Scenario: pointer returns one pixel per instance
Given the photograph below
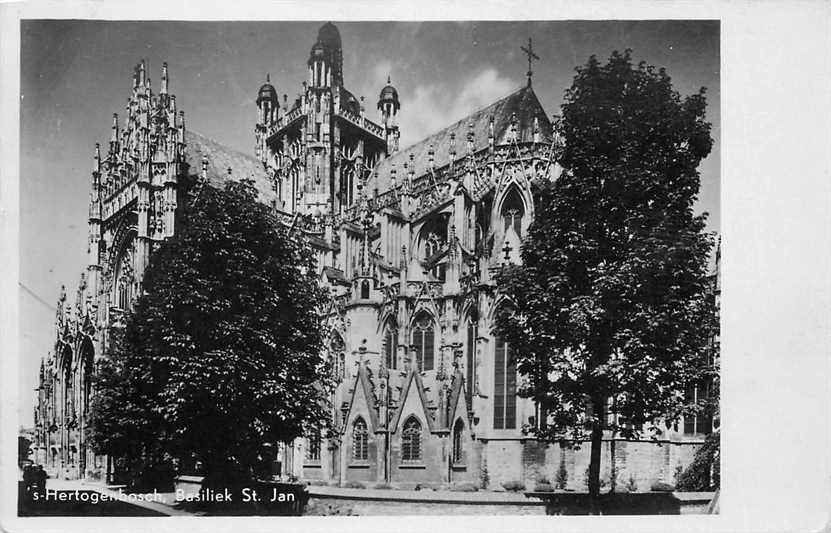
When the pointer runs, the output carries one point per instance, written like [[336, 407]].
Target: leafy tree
[[612, 305], [222, 352]]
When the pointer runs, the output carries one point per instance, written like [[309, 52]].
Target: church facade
[[407, 240]]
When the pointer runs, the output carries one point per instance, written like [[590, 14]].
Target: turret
[[268, 107], [163, 88], [388, 105], [140, 75], [114, 135], [267, 103], [326, 58]]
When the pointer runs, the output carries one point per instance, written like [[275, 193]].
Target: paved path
[[426, 496]]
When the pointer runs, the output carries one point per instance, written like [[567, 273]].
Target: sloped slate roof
[[523, 102], [220, 159]]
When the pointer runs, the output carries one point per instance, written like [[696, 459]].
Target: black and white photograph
[[340, 267]]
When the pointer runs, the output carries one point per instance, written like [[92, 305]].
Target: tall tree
[[612, 303], [223, 351]]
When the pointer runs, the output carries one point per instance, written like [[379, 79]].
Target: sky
[[75, 74]]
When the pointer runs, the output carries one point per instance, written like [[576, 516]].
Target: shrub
[[631, 484], [697, 476], [514, 486], [317, 482], [464, 487], [543, 487], [562, 476], [354, 485], [660, 486], [382, 486], [484, 478]]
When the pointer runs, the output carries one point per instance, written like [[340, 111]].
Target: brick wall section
[[525, 460], [504, 461], [534, 462]]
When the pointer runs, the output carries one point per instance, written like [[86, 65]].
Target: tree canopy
[[612, 305], [223, 350]]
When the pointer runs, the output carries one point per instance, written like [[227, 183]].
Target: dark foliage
[[222, 353], [704, 474], [612, 305]]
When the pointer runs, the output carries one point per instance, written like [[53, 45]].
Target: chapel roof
[[220, 159], [523, 102]]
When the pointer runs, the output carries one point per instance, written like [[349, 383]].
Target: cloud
[[433, 106]]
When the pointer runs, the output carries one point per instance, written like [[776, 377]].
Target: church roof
[[523, 102], [220, 159]]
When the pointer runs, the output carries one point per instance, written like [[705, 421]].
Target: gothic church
[[407, 240]]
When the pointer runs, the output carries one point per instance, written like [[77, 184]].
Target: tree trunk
[[594, 457]]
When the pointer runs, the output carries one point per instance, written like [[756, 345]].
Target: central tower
[[320, 149]]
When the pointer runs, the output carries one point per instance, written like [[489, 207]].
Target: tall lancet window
[[336, 351], [512, 211], [313, 447], [68, 389], [470, 357], [424, 341], [87, 358], [391, 345], [458, 451], [123, 286], [504, 395], [360, 438], [433, 239]]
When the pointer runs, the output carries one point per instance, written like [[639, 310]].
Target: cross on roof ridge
[[531, 56]]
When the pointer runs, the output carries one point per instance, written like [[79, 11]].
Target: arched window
[[504, 395], [313, 447], [470, 356], [391, 345], [360, 438], [458, 453], [411, 440], [512, 211], [424, 341], [336, 350], [434, 238], [123, 286], [87, 358], [68, 389]]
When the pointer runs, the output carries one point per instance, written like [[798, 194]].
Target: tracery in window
[[433, 240], [424, 341], [504, 396], [313, 447], [411, 440], [458, 452], [470, 356], [512, 211], [360, 440], [391, 345]]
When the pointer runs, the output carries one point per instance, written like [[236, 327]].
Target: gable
[[413, 401], [457, 405], [362, 401]]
